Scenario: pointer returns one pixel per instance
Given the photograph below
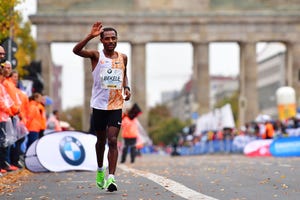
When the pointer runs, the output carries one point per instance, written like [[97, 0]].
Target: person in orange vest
[[12, 90], [43, 117], [14, 78], [129, 133], [9, 85], [269, 130], [15, 150], [7, 109], [34, 118]]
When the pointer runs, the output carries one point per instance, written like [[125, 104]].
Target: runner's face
[[109, 40]]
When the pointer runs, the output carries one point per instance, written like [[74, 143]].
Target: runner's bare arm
[[95, 31], [125, 83], [92, 54], [78, 48]]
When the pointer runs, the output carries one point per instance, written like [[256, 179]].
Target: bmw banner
[[65, 150], [31, 160]]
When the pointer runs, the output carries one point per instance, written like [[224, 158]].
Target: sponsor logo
[[72, 150]]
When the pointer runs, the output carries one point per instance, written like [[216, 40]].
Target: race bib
[[111, 78]]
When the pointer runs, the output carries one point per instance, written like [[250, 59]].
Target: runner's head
[[109, 38], [105, 29]]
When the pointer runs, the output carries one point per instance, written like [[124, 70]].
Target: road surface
[[162, 177]]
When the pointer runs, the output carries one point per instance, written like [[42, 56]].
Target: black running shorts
[[105, 118]]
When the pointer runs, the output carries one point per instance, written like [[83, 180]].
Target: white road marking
[[169, 184], [266, 163], [285, 165]]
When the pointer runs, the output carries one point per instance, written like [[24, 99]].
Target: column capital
[[247, 42], [194, 43], [137, 42], [44, 42]]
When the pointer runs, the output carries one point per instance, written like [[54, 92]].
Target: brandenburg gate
[[198, 22]]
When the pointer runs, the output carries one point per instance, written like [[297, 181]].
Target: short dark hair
[[108, 29]]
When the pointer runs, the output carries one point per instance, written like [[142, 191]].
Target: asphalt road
[[160, 177]]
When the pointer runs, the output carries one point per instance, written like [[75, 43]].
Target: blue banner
[[286, 146]]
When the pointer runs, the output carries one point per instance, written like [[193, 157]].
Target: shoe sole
[[101, 187], [112, 187]]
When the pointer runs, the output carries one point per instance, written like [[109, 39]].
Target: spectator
[[42, 110], [269, 130], [14, 94], [15, 151], [7, 109], [34, 118], [53, 121], [129, 134]]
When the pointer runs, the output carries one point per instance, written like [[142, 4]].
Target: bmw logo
[[72, 150]]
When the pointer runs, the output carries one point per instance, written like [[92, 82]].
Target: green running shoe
[[100, 179], [111, 185]]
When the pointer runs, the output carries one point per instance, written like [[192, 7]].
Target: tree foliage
[[73, 116], [11, 23], [162, 127], [8, 18], [26, 47], [157, 114]]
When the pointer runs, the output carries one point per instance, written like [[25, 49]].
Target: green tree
[[73, 116], [26, 47], [166, 131], [11, 23], [9, 17], [162, 127], [158, 113]]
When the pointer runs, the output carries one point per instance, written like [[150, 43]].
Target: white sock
[[101, 169], [111, 176]]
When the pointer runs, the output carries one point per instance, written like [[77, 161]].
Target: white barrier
[[63, 151]]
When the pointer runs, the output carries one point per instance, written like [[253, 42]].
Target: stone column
[[293, 53], [248, 101], [288, 80], [138, 79], [87, 88], [201, 78], [44, 55]]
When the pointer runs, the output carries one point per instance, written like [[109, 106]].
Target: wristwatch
[[127, 87]]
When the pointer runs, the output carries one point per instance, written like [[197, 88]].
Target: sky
[[162, 74]]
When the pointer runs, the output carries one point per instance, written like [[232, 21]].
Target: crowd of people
[[230, 140], [23, 118]]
